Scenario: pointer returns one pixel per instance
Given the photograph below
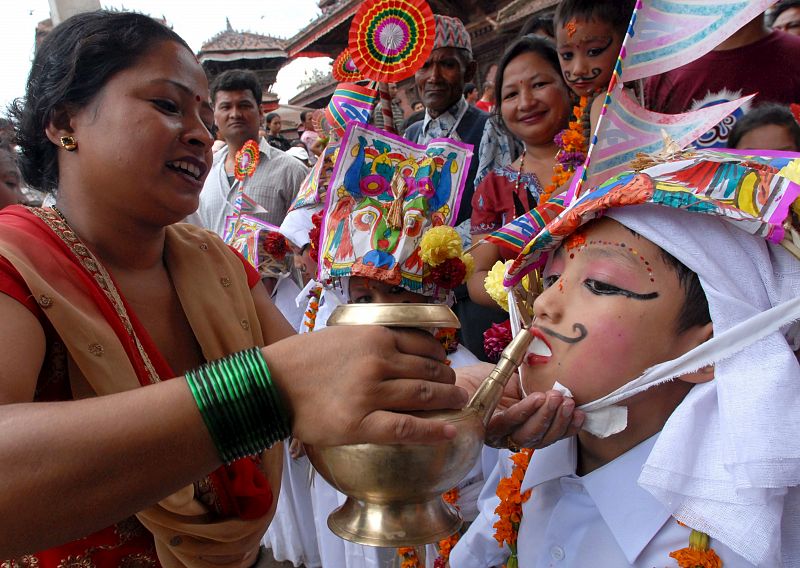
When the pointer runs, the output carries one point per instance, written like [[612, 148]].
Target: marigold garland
[[510, 508], [698, 554], [572, 143], [310, 315], [446, 545]]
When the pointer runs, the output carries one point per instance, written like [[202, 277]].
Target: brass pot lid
[[394, 315]]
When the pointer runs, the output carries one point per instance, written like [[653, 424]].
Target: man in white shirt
[[236, 98]]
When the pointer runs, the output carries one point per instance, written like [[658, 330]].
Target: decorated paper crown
[[754, 192], [260, 243], [388, 211]]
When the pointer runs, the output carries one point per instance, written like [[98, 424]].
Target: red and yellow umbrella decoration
[[390, 40], [344, 68]]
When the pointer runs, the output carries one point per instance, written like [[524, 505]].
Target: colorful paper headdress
[[385, 196], [350, 102], [754, 192], [451, 32], [260, 243]]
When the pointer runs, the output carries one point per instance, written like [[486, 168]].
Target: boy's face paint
[[368, 291], [588, 52], [605, 315]]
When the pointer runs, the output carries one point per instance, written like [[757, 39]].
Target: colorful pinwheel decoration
[[389, 41], [344, 68], [246, 160]]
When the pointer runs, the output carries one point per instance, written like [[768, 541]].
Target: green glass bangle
[[239, 404], [222, 417], [276, 404], [270, 411], [202, 406], [240, 444], [272, 391], [249, 400]]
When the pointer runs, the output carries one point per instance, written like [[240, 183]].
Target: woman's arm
[[485, 255], [78, 466]]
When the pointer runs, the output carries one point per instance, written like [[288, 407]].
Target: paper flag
[[672, 33], [627, 129]]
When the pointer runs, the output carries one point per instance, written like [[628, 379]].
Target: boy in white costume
[[386, 238], [666, 315]]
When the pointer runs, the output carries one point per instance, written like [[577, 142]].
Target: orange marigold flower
[[692, 558]]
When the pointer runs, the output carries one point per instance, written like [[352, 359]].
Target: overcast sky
[[195, 20]]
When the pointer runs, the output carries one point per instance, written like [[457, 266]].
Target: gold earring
[[68, 143]]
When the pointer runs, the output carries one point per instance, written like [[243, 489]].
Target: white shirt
[[603, 519], [273, 186]]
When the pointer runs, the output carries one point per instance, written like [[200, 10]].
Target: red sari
[[44, 266]]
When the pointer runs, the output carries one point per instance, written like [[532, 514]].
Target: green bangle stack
[[240, 404]]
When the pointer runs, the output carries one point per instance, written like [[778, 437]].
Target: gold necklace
[[519, 171]]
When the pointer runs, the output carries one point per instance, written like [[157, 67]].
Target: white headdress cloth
[[727, 462]]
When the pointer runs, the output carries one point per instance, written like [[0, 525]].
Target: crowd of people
[[122, 196]]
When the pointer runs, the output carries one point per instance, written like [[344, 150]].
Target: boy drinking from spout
[[664, 315]]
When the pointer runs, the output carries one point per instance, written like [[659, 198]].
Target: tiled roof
[[231, 40]]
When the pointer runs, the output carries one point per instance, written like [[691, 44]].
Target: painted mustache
[[582, 78], [578, 327]]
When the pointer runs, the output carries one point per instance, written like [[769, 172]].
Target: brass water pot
[[394, 492]]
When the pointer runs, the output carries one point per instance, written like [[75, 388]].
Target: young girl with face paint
[[589, 35], [683, 361]]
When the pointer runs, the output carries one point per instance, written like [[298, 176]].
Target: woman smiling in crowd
[[534, 105]]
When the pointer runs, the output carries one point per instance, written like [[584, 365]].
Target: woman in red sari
[[104, 294]]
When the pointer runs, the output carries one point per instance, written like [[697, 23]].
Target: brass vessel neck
[[487, 396]]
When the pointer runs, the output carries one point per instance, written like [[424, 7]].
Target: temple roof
[[519, 9], [245, 45], [311, 41]]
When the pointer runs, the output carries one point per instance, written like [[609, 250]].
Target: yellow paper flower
[[439, 244], [791, 171], [469, 264], [494, 284]]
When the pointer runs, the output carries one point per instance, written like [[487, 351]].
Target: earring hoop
[[68, 143]]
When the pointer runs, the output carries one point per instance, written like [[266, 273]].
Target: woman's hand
[[348, 385], [535, 421]]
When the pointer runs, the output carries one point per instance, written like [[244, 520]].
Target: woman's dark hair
[[539, 45], [236, 80], [270, 117], [779, 8], [538, 25], [616, 13], [762, 115], [71, 66]]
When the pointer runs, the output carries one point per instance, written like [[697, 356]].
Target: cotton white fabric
[[603, 519], [297, 224], [728, 460]]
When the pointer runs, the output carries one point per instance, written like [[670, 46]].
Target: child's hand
[[538, 420], [535, 421]]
